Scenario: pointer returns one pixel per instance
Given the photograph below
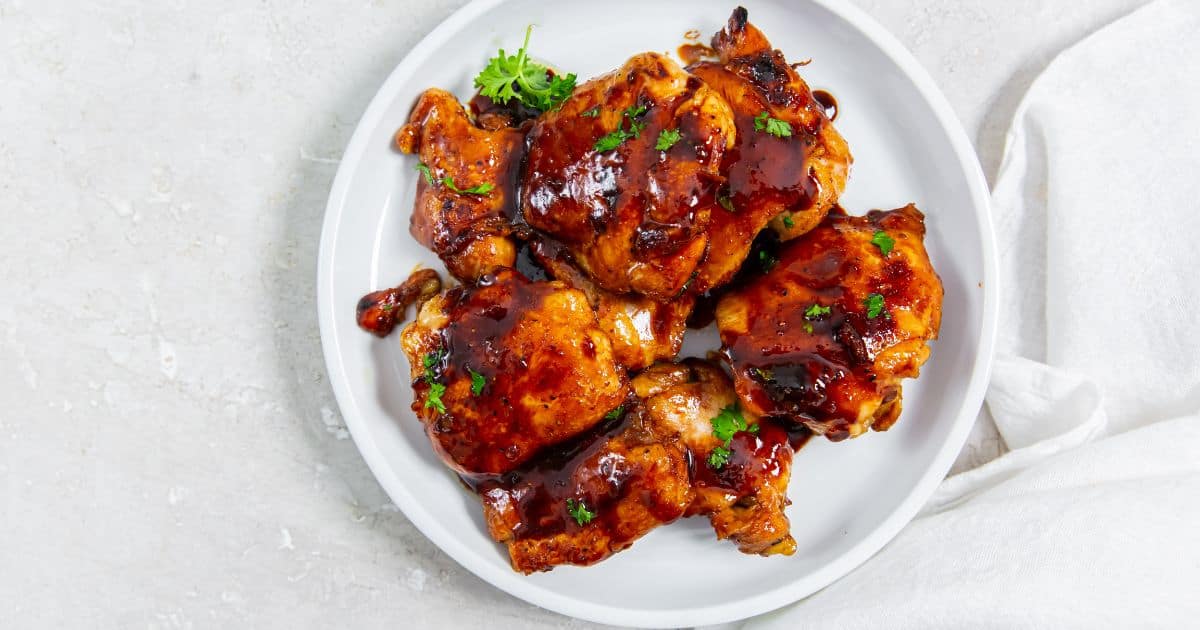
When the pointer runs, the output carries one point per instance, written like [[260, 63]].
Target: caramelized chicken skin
[[633, 217], [585, 500], [788, 173], [745, 497], [825, 338], [507, 367], [469, 232], [642, 330]]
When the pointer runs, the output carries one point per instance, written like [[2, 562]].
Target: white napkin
[[1092, 519]]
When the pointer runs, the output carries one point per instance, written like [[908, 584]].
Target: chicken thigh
[[586, 500], [740, 465], [788, 165], [507, 367], [826, 336], [624, 175], [465, 199]]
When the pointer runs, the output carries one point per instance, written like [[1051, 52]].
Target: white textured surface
[[170, 455]]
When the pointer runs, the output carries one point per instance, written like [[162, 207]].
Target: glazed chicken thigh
[[825, 338], [506, 367], [788, 165], [588, 499], [464, 205], [742, 489], [624, 175]]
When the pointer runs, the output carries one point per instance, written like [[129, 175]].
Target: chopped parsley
[[726, 202], [884, 242], [727, 423], [615, 413], [478, 382], [434, 399], [425, 171], [816, 311], [766, 260], [613, 139], [516, 76], [667, 139], [874, 304], [481, 189], [808, 328], [591, 113], [579, 512], [773, 126], [718, 457], [788, 222]]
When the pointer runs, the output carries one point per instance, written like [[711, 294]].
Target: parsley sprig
[[875, 306], [448, 182], [580, 512], [478, 382], [725, 425], [774, 126], [667, 139], [434, 399], [883, 241], [516, 76], [613, 139]]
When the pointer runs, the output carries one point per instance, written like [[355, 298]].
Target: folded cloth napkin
[[1092, 517]]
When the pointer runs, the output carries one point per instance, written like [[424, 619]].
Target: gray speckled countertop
[[170, 453]]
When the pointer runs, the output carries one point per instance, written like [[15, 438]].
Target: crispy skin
[[745, 499], [548, 370], [798, 176], [623, 473], [844, 376], [642, 330], [470, 233], [633, 218]]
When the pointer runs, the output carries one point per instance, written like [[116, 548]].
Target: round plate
[[848, 499]]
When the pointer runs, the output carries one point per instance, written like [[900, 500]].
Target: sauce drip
[[828, 103]]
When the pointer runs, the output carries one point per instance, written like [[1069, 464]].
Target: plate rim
[[723, 612]]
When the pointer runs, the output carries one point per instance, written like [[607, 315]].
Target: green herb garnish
[[884, 242], [667, 139], [579, 512], [613, 139], [788, 222], [478, 382], [591, 113], [615, 413], [718, 457], [433, 400], [816, 311], [773, 126], [516, 76], [425, 171], [766, 260], [481, 189], [726, 203], [874, 304]]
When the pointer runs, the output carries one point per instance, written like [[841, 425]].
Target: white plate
[[849, 499]]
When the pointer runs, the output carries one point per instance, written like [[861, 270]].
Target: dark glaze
[[539, 491], [489, 332], [634, 198], [378, 312], [813, 376], [755, 460], [828, 103], [489, 114], [763, 168]]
